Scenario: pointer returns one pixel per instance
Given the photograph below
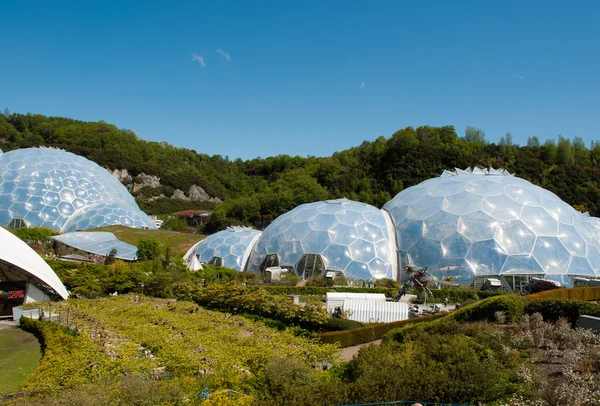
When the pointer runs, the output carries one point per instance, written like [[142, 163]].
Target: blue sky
[[305, 77]]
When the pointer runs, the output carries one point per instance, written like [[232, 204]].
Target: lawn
[[179, 242], [19, 355]]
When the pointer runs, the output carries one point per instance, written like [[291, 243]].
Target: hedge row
[[361, 335], [513, 307], [321, 290], [462, 295], [585, 293], [235, 298], [453, 295]]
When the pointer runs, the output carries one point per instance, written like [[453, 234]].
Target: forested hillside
[[256, 191]]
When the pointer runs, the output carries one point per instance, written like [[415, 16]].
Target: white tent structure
[[19, 263], [193, 264]]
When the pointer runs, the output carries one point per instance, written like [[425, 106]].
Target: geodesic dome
[[466, 224], [45, 187], [349, 237], [229, 248], [103, 215]]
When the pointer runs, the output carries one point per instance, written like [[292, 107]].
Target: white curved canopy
[[20, 258], [98, 242]]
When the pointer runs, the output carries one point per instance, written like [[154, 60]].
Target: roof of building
[[192, 213], [19, 258]]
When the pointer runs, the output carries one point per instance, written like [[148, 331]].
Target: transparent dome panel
[[56, 185], [231, 245], [350, 237]]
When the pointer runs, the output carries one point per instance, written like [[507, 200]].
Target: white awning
[[19, 255]]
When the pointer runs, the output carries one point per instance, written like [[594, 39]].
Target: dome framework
[[230, 247], [46, 187], [467, 225], [343, 236]]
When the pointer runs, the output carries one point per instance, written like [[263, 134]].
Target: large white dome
[[45, 187], [350, 237], [230, 247], [487, 222]]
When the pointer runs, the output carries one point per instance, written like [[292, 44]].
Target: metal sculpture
[[417, 280]]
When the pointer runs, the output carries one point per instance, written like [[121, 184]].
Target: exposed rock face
[[178, 194], [147, 180], [197, 194], [123, 176]]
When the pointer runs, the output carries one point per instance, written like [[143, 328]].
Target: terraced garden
[[162, 339]]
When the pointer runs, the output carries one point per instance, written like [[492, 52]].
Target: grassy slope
[[179, 242], [19, 355]]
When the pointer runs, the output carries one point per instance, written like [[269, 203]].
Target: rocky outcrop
[[135, 184], [197, 194], [143, 180], [123, 176], [178, 194]]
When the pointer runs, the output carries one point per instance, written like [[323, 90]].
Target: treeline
[[258, 190]]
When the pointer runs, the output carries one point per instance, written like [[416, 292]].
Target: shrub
[[387, 283], [542, 285], [554, 309], [443, 362], [148, 249], [361, 335], [33, 234], [235, 298], [511, 305], [335, 324], [585, 293], [321, 290]]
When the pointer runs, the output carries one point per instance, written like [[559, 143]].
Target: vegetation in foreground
[[177, 350], [104, 340]]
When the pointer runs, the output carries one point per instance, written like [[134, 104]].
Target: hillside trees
[[258, 190]]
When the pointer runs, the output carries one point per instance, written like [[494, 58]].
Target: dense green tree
[[148, 249], [256, 191], [475, 135]]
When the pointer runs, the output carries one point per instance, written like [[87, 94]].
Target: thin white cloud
[[199, 59], [362, 85], [224, 54], [519, 76]]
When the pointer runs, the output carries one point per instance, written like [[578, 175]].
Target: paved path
[[8, 323], [349, 352]]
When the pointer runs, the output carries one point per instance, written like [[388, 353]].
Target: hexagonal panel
[[486, 257], [477, 226], [539, 221], [440, 226], [455, 246], [426, 253], [515, 238], [462, 203], [522, 195], [552, 256], [501, 208], [572, 240]]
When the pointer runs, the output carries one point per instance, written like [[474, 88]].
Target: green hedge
[[321, 290], [462, 295], [554, 309], [513, 307], [585, 293], [453, 295], [235, 298], [361, 335]]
